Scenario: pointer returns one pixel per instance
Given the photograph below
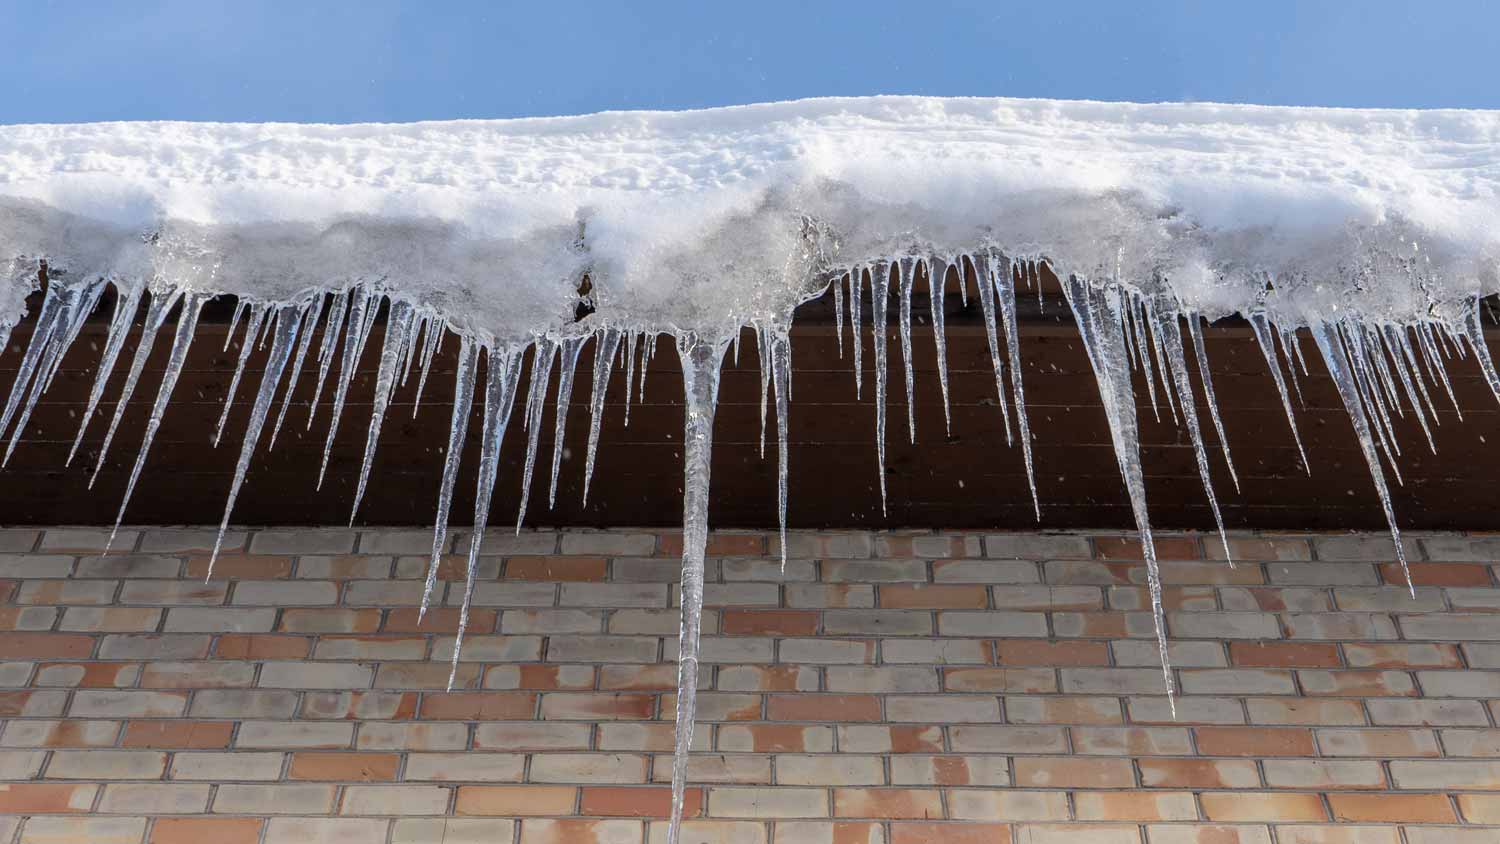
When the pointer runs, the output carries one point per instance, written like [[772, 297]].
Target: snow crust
[[689, 219]]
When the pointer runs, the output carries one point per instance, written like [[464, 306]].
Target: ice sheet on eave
[[725, 216]]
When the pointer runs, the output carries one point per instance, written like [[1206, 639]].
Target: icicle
[[1473, 330], [838, 319], [937, 275], [1143, 348], [1267, 342], [310, 315], [880, 283], [119, 328], [763, 349], [781, 369], [187, 326], [76, 303], [629, 351], [361, 306], [234, 320], [156, 315], [571, 347], [288, 322], [1169, 330], [606, 342], [648, 350], [701, 359], [499, 396], [458, 429], [982, 273], [536, 402], [907, 268], [1095, 311], [335, 322], [963, 282], [856, 328], [1435, 362], [1160, 356], [1334, 356], [435, 331], [41, 337], [1395, 334], [1201, 354], [397, 324], [258, 312], [415, 325], [1005, 292], [1291, 349], [1386, 345], [1386, 436]]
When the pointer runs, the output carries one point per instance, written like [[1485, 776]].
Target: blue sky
[[388, 60]]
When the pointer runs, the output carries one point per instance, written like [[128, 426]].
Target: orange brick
[[1129, 548], [1402, 655], [1391, 807], [823, 708], [1284, 654], [933, 596], [544, 677], [1260, 806], [582, 706], [948, 833], [515, 800], [344, 767], [190, 735], [915, 739], [662, 676], [1199, 773], [1438, 574], [252, 646], [776, 738], [478, 706], [895, 803], [199, 830], [1054, 653], [241, 567], [438, 620], [32, 798], [770, 622], [45, 646], [770, 678], [1254, 741], [719, 545], [554, 567], [330, 620], [649, 802], [1060, 772]]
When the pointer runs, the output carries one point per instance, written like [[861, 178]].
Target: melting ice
[[1373, 234]]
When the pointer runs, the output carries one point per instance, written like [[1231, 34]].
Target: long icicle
[[310, 315], [119, 328], [1168, 328], [499, 396], [1005, 292], [1339, 370], [781, 373], [187, 326], [361, 303], [258, 312], [856, 328], [907, 268], [606, 342], [337, 312], [982, 273], [701, 359], [1096, 311], [458, 429], [1265, 338], [937, 279], [880, 284], [397, 337], [77, 303], [571, 347], [156, 316], [543, 356], [288, 322], [1200, 353]]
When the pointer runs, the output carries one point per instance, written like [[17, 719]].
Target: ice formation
[[1374, 233]]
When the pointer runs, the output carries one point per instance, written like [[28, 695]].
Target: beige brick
[[106, 765], [303, 541], [588, 768], [325, 830], [841, 769], [221, 767], [90, 703], [54, 830], [154, 799], [219, 620], [732, 802], [294, 734], [453, 831], [465, 767], [300, 799], [319, 675], [394, 800]]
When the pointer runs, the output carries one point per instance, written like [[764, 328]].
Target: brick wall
[[892, 688]]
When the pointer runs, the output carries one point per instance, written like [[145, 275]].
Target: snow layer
[[691, 218]]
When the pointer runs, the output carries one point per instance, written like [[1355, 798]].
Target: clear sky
[[397, 60]]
